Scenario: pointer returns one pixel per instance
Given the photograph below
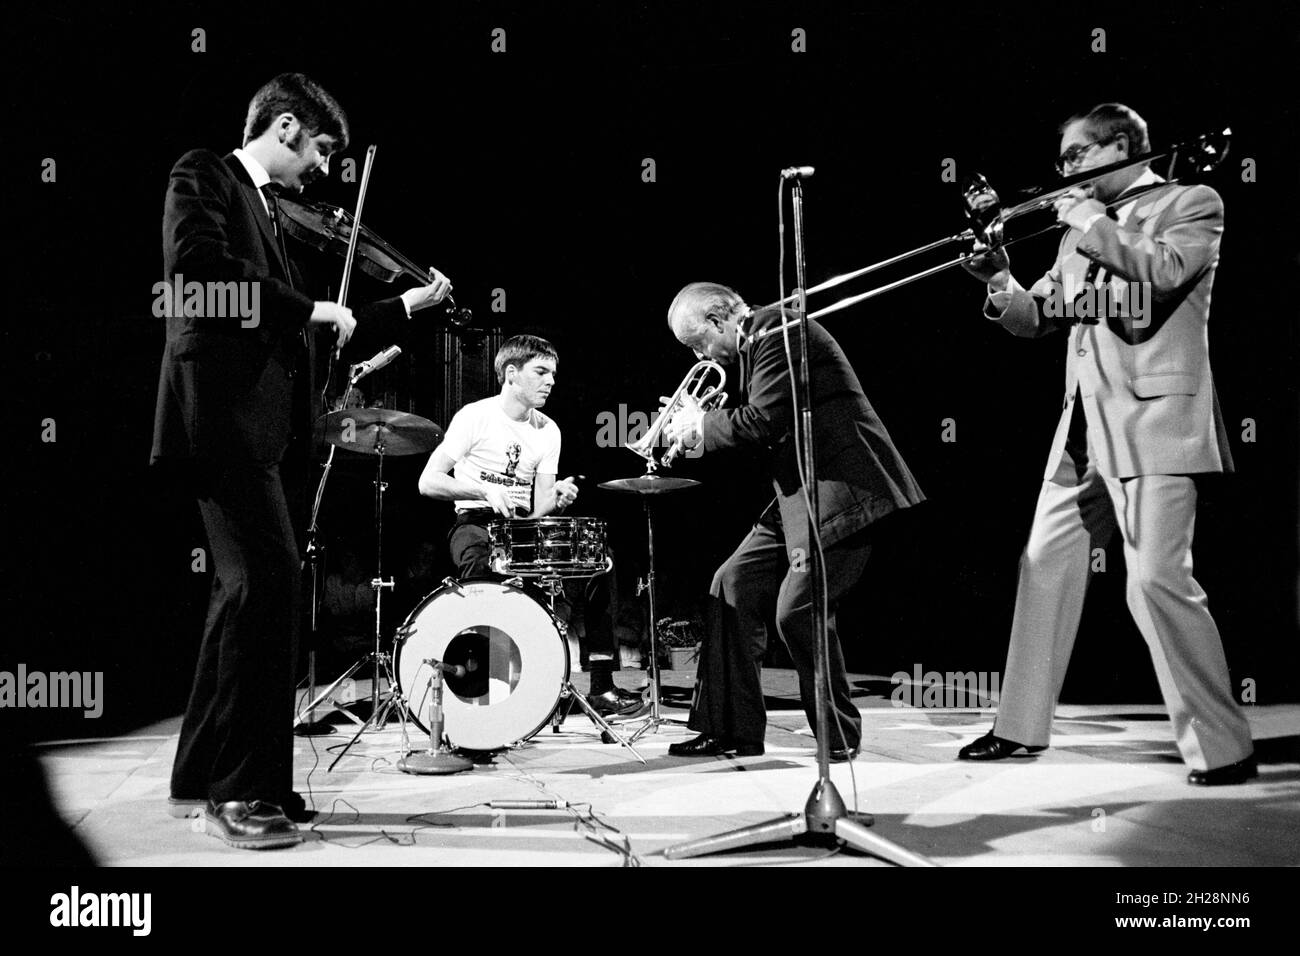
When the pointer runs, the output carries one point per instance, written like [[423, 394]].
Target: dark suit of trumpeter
[[861, 478], [233, 396]]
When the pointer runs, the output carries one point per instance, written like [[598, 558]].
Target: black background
[[523, 171]]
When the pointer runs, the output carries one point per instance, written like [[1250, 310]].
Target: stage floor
[[1111, 791]]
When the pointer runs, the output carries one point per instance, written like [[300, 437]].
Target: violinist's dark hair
[[317, 112], [1106, 120], [519, 350]]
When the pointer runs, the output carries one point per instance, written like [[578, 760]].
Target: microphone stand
[[824, 819], [306, 725]]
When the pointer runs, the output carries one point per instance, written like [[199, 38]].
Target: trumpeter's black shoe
[[990, 747], [706, 746]]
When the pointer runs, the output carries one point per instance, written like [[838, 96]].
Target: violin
[[329, 228]]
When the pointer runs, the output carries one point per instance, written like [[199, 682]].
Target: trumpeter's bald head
[[704, 317]]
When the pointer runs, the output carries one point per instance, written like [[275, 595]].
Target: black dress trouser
[[236, 739], [757, 581]]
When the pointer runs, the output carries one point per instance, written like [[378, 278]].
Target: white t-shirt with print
[[489, 447]]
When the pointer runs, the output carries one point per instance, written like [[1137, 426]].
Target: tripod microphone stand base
[[824, 821], [432, 762]]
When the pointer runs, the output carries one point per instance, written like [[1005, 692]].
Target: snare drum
[[549, 547], [512, 647]]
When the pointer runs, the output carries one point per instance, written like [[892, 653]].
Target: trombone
[[988, 219]]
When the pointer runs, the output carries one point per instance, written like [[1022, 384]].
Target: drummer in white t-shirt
[[499, 458]]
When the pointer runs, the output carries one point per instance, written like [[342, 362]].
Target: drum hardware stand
[[391, 702], [553, 584], [306, 725], [824, 815], [656, 718], [439, 758]]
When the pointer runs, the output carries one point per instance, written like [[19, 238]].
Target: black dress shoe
[[843, 754], [293, 805], [706, 746], [630, 696], [1238, 772], [610, 704], [990, 747], [251, 825]]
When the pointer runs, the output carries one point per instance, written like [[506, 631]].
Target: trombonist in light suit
[[1139, 419]]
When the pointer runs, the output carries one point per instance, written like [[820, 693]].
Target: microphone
[[375, 362], [455, 670], [797, 172]]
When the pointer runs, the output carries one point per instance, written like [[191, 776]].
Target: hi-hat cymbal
[[363, 429], [648, 485]]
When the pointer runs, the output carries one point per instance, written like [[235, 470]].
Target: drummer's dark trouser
[[756, 583], [470, 553]]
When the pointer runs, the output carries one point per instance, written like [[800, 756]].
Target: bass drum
[[512, 647]]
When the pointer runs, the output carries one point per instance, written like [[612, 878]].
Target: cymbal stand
[[656, 718], [391, 702]]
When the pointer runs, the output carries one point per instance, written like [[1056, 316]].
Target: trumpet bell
[[703, 383]]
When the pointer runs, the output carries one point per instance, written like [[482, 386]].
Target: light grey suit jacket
[[1144, 380]]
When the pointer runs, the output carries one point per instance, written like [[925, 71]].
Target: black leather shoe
[[610, 704], [1238, 772], [294, 807], [706, 746], [251, 825], [843, 754], [990, 747], [629, 696]]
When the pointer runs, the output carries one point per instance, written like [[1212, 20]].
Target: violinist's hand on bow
[[1076, 208], [427, 295], [339, 316]]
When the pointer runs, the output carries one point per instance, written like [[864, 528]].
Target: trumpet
[[697, 385]]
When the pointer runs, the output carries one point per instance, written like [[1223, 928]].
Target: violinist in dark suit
[[861, 478], [234, 390]]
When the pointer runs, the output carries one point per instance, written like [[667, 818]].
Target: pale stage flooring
[[1111, 791]]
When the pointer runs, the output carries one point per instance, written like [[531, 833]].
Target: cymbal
[[648, 485], [362, 429]]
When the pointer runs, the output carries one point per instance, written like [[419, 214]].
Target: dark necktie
[[273, 211]]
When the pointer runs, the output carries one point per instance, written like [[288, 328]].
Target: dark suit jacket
[[227, 392], [861, 477]]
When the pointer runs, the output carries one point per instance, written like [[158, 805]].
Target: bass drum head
[[518, 662]]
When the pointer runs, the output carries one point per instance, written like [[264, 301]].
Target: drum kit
[[484, 665]]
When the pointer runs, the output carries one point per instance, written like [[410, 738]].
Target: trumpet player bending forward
[[861, 478]]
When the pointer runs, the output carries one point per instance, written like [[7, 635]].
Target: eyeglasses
[[1074, 155]]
